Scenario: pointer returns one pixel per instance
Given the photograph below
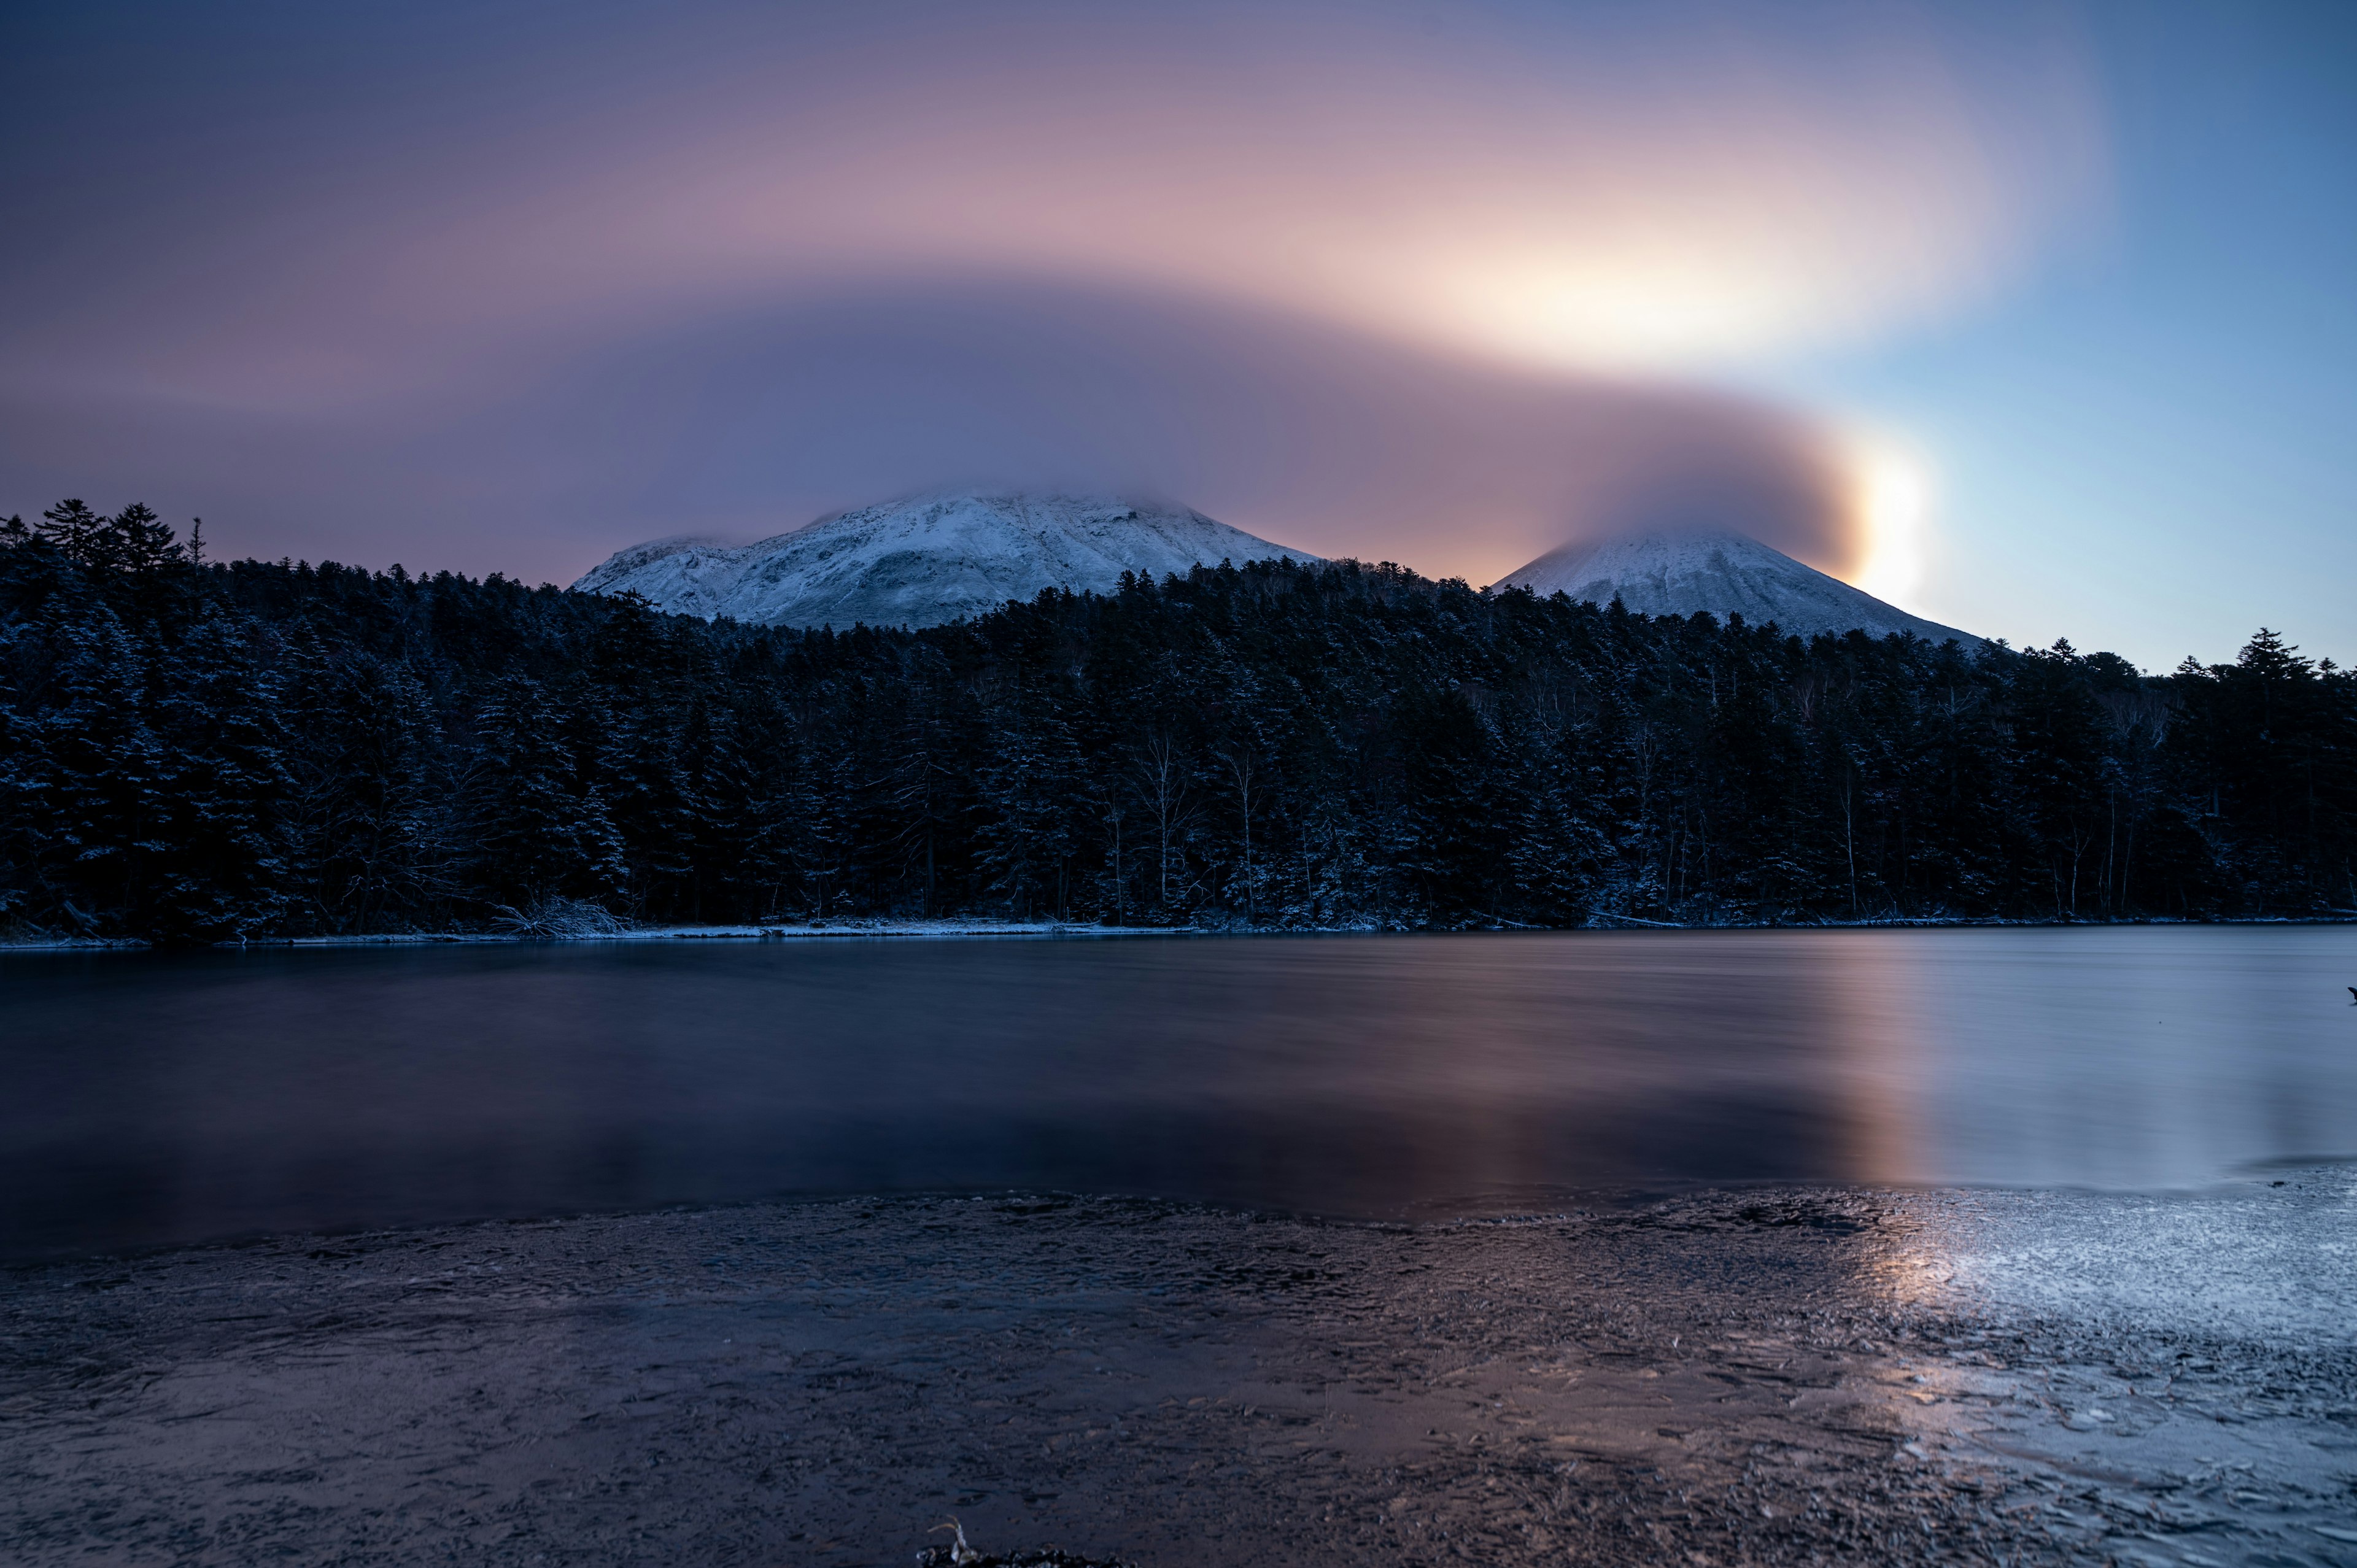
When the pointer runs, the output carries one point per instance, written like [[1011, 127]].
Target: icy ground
[[1745, 1377]]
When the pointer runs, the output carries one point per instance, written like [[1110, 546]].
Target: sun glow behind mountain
[[1583, 221], [1893, 517]]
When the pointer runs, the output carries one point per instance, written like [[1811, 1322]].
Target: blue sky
[[2152, 445]]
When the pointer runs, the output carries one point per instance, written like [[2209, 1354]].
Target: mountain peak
[[927, 559], [1724, 572]]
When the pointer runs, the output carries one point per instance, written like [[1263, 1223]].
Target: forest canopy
[[199, 751]]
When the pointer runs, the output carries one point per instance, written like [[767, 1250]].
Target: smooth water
[[150, 1099]]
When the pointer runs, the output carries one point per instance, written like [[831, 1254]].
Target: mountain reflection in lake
[[157, 1099]]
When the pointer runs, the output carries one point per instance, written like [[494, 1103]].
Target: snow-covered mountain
[[1724, 572], [927, 559]]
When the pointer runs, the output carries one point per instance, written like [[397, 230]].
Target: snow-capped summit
[[1724, 572], [926, 560]]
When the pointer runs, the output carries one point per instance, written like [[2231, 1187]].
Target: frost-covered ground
[[1790, 1375]]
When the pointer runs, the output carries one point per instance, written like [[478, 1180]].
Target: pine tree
[[537, 833], [922, 782], [1032, 793], [251, 748], [136, 540], [29, 789], [818, 829], [76, 532], [716, 815], [223, 868], [372, 822], [1451, 845], [97, 808]]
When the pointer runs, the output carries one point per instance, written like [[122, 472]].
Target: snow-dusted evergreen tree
[[224, 850], [821, 817], [375, 837], [1453, 838], [537, 831], [925, 787], [1033, 805], [98, 807], [196, 751]]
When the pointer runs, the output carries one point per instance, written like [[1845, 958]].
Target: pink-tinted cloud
[[1376, 279], [752, 423]]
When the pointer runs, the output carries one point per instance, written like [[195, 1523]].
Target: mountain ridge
[[926, 560]]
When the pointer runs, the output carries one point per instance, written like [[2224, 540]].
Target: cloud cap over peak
[[433, 290]]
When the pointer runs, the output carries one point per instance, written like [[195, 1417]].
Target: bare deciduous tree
[[1240, 769], [1158, 773]]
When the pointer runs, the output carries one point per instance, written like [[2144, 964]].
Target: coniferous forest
[[199, 751]]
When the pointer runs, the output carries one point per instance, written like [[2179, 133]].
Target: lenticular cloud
[[1373, 281]]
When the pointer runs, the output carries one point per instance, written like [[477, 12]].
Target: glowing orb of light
[[1891, 501]]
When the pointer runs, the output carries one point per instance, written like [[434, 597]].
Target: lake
[[156, 1099]]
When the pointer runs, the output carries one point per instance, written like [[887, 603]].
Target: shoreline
[[885, 927], [1764, 1375]]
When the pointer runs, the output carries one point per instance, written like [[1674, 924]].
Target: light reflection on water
[[2123, 1058], [157, 1099]]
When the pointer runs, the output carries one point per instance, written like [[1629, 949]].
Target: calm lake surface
[[157, 1099]]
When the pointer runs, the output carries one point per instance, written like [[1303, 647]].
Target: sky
[[2035, 319]]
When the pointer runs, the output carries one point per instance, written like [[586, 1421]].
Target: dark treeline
[[194, 751]]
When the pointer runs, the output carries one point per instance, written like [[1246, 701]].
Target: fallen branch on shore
[[959, 1554]]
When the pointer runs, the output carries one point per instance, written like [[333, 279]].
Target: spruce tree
[[99, 808]]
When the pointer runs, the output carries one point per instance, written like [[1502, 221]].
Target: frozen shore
[[1760, 1376], [776, 931]]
